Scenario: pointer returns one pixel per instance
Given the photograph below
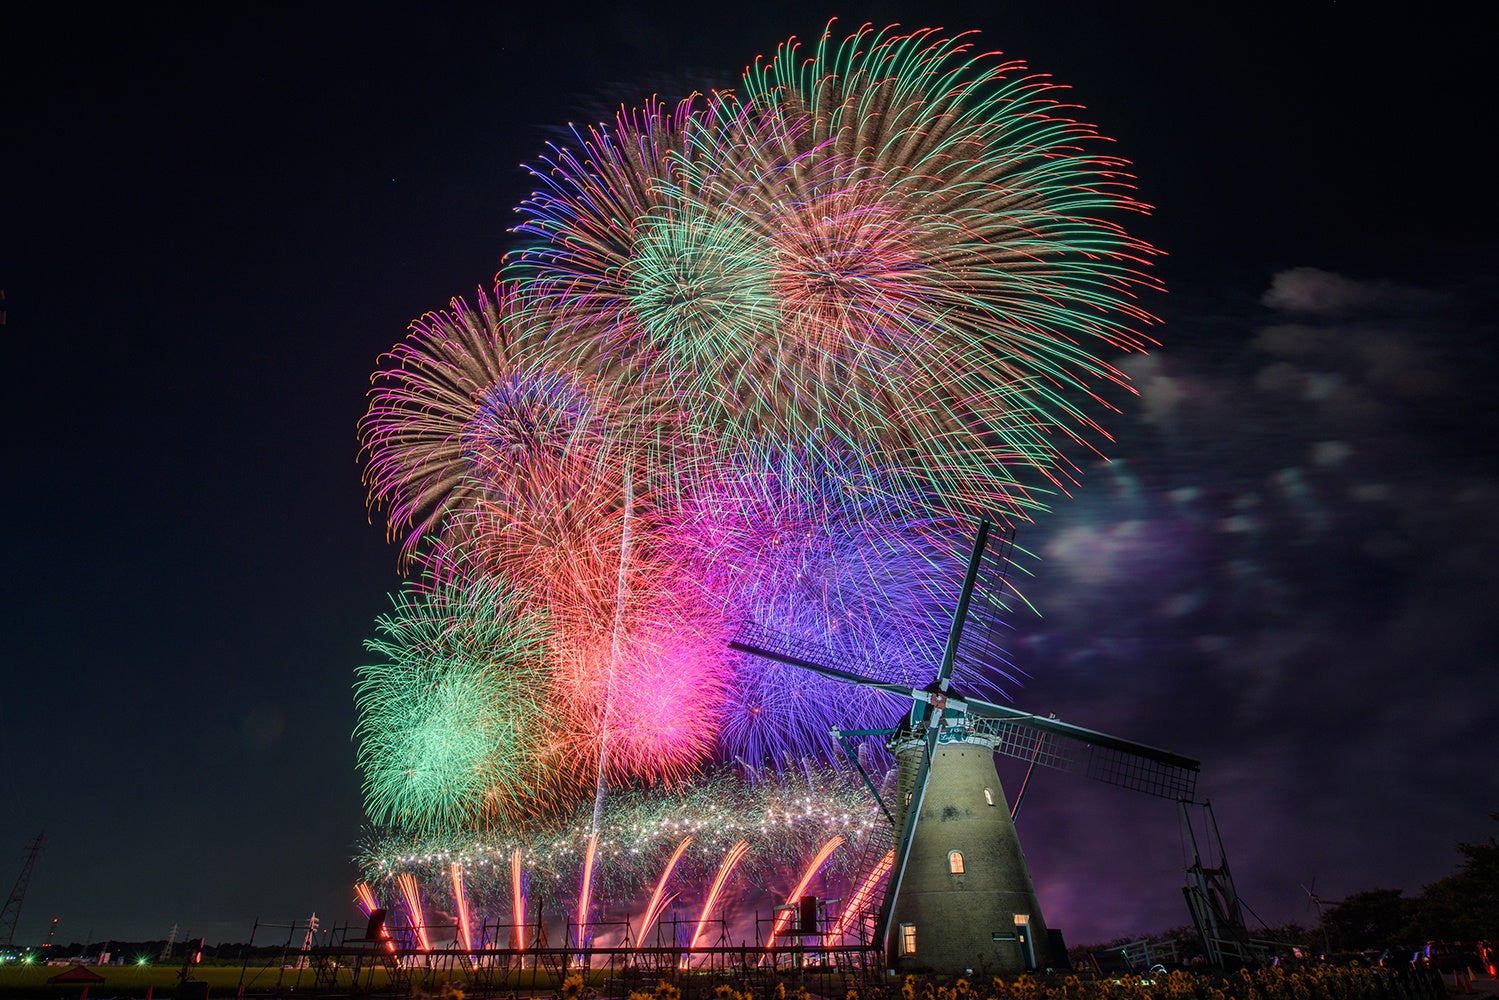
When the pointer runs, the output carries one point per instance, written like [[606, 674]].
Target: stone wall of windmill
[[967, 901]]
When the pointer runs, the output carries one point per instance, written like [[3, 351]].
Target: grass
[[29, 982], [1304, 982]]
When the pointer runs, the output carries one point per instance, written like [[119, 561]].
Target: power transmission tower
[[12, 912]]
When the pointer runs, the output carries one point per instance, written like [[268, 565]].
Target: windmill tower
[[960, 895]]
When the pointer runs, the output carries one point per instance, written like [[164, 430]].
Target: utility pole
[[11, 915], [308, 941]]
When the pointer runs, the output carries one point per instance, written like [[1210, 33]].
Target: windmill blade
[[757, 640], [907, 833], [960, 614], [1064, 747], [1023, 735], [982, 649], [851, 751]]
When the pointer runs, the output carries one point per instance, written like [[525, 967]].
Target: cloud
[[1160, 393], [1312, 291], [1287, 570]]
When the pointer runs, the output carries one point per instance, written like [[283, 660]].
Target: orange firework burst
[[473, 407]]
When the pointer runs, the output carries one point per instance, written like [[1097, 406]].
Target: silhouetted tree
[[1464, 906], [1371, 919]]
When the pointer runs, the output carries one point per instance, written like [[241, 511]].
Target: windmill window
[[955, 862], [989, 796], [908, 939]]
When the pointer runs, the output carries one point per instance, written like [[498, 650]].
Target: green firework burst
[[450, 732]]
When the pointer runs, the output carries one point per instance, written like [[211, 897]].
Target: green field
[[30, 981]]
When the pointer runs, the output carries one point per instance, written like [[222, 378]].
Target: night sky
[[214, 221]]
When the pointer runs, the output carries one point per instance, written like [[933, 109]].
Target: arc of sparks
[[801, 887], [653, 908], [862, 894], [725, 869], [365, 899], [411, 892], [517, 902], [585, 890], [460, 903]]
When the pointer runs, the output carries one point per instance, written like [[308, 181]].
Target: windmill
[[959, 895], [1312, 899]]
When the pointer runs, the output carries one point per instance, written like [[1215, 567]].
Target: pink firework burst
[[647, 689]]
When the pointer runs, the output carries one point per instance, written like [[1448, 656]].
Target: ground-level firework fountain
[[712, 863]]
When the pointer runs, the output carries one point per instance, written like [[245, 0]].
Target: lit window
[[988, 796], [955, 862], [1022, 919], [908, 939]]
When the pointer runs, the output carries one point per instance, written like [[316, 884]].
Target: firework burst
[[765, 355], [945, 250], [633, 243], [473, 409], [451, 730], [815, 545], [895, 244]]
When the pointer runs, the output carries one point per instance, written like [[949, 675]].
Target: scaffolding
[[367, 960]]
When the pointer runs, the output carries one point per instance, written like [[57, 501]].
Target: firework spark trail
[[863, 893], [460, 904], [412, 894], [658, 901], [517, 902], [585, 889], [725, 869], [817, 859]]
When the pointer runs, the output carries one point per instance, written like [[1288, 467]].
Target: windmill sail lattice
[[1047, 741], [950, 796], [981, 649]]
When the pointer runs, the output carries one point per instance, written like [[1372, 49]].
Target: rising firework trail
[[784, 917], [658, 900], [725, 869], [364, 897], [517, 902], [585, 890], [460, 904], [416, 917]]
